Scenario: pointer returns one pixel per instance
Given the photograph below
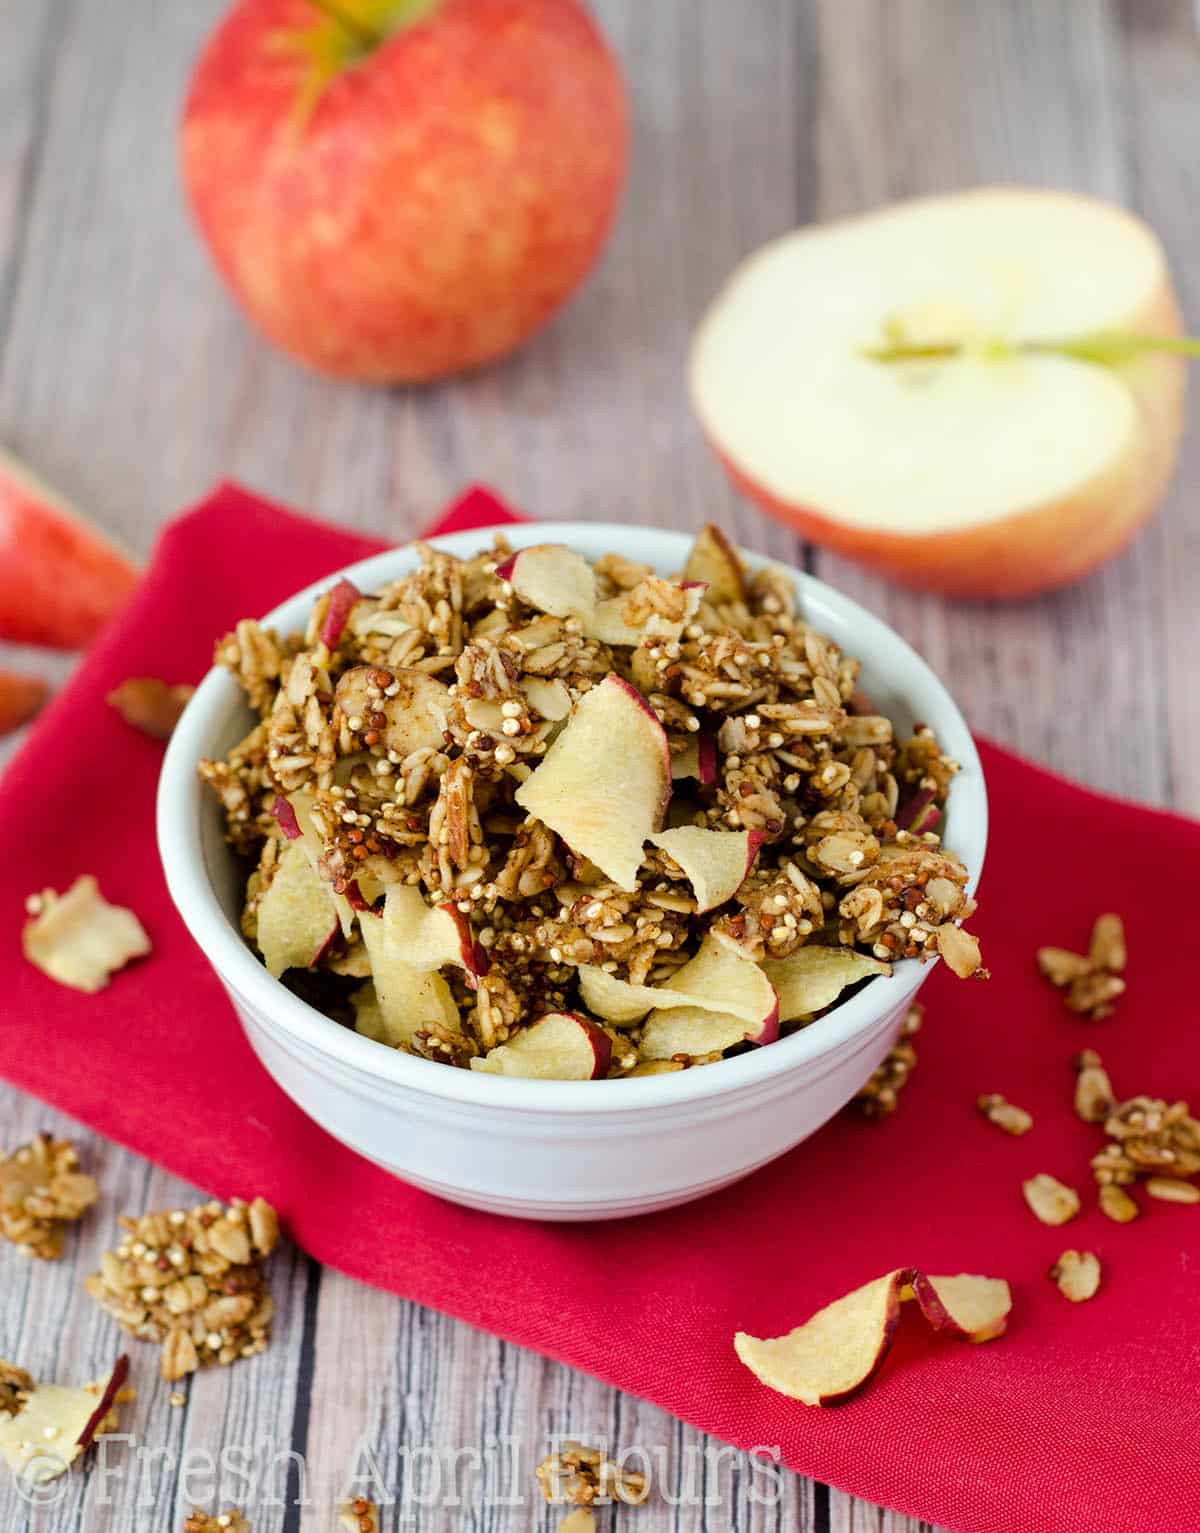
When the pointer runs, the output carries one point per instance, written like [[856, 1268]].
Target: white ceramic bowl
[[552, 1149]]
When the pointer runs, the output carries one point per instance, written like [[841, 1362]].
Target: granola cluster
[[42, 1190], [581, 1475], [1151, 1140], [395, 733], [879, 1097], [192, 1280], [231, 1521], [1091, 981], [15, 1387], [358, 1516]]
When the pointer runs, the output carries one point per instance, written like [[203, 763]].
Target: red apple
[[60, 577], [400, 189]]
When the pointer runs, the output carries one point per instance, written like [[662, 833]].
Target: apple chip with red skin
[[812, 978], [832, 1355], [61, 1423], [562, 1046], [715, 862], [296, 917], [603, 786]]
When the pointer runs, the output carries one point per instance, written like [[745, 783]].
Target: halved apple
[[713, 562], [297, 917], [604, 784], [406, 1000], [430, 936], [61, 578], [414, 717], [342, 599], [561, 1046], [552, 578], [993, 466], [812, 978], [715, 862]]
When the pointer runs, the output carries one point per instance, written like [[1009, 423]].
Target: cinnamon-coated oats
[[581, 1475], [42, 1190]]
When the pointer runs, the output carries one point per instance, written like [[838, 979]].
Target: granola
[[1004, 1114], [1152, 1139], [231, 1521], [358, 1516], [1076, 1275], [192, 1280], [581, 1475], [15, 1386], [414, 744], [1090, 981], [42, 1190], [878, 1098]]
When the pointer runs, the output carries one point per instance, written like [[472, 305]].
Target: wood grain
[[127, 377]]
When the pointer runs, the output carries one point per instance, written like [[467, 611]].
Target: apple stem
[[367, 36], [1108, 348]]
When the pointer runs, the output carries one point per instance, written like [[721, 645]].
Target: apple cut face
[[715, 862], [562, 1046], [297, 917], [604, 784], [976, 475], [430, 936], [406, 1000], [812, 978]]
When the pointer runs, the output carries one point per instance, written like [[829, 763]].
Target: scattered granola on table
[[1076, 1275], [15, 1385], [192, 1280], [1152, 1139], [879, 1096], [521, 802], [1090, 982], [582, 1475], [1004, 1114], [358, 1516], [78, 938], [1094, 1098], [231, 1521], [1050, 1200], [150, 705], [42, 1190]]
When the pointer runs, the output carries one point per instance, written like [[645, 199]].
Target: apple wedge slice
[[966, 1307], [831, 1356], [406, 1000], [297, 917], [61, 578], [691, 1031], [713, 562], [20, 698], [995, 467], [604, 784], [552, 578], [62, 1423], [430, 936], [715, 862], [562, 1046], [812, 978]]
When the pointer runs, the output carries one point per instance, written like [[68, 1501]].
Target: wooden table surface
[[128, 379]]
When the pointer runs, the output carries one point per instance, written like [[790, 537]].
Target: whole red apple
[[399, 189]]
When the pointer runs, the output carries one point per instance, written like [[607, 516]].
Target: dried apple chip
[[56, 1424], [812, 978], [78, 938], [830, 1357], [966, 1307]]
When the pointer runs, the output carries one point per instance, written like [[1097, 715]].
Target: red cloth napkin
[[1081, 1417]]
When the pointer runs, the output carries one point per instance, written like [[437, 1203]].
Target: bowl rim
[[178, 820]]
